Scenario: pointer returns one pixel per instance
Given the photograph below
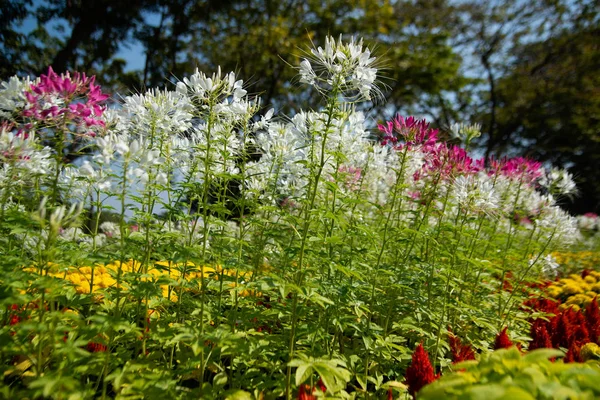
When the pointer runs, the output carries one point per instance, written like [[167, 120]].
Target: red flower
[[506, 284], [573, 354], [94, 347], [459, 351], [420, 372], [540, 336], [14, 319], [543, 305], [580, 336], [592, 320], [306, 392], [585, 273], [502, 340], [321, 385], [562, 331]]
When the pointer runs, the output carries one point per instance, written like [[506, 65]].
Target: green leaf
[[239, 395], [303, 372], [220, 379], [535, 356]]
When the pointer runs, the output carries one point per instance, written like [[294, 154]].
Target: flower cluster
[[459, 351], [96, 279], [342, 68], [502, 340], [569, 328], [193, 176], [589, 222], [420, 372], [65, 99], [576, 291], [577, 261]]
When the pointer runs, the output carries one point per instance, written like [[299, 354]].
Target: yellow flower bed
[[575, 291], [577, 260], [90, 280]]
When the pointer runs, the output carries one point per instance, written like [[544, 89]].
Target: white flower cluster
[[203, 134], [343, 68], [22, 161], [588, 222], [464, 132], [476, 191], [12, 95], [559, 181]]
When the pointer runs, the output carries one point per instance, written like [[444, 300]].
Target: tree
[[11, 41], [549, 108]]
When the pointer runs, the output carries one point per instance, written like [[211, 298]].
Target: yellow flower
[[590, 351], [572, 288]]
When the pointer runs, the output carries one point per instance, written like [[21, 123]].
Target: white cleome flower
[[343, 68]]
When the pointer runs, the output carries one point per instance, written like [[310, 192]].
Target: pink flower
[[518, 168], [412, 131], [73, 99]]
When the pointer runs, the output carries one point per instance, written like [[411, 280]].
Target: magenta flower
[[73, 99], [518, 168], [411, 131]]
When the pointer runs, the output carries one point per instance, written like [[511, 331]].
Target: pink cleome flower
[[72, 98]]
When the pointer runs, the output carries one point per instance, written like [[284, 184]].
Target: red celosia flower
[[574, 317], [502, 340], [562, 331], [580, 336], [460, 352], [573, 354], [94, 347], [390, 395], [305, 393], [592, 320], [543, 305], [540, 336], [321, 385], [585, 273], [420, 372]]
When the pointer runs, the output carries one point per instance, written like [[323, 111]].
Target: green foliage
[[508, 374]]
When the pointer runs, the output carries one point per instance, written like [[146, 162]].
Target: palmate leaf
[[333, 373]]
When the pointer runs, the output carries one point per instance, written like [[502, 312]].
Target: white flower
[[588, 221], [307, 75], [464, 132], [162, 179], [12, 95], [121, 147], [558, 221], [138, 173], [111, 229], [341, 67], [549, 266], [86, 169], [559, 181]]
